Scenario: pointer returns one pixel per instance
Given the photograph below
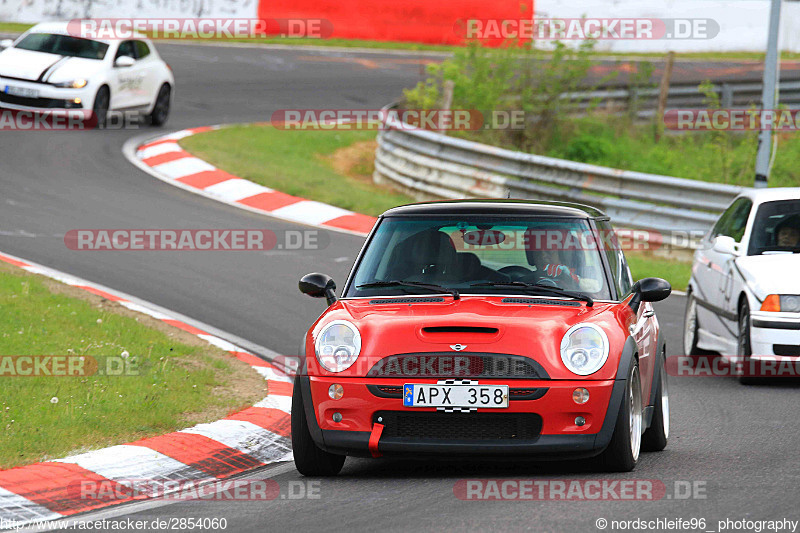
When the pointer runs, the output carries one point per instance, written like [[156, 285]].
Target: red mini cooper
[[484, 327]]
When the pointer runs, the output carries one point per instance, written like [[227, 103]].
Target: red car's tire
[[308, 458], [656, 437], [622, 453]]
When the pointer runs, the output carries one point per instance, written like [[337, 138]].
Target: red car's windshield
[[481, 255]]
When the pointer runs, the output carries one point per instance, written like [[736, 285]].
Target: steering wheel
[[547, 282], [515, 272]]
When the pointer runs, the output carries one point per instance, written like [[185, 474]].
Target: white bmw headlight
[[584, 349], [338, 345]]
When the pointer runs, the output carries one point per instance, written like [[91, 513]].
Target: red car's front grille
[[460, 426]]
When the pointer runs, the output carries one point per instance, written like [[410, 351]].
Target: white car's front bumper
[[48, 97], [774, 334]]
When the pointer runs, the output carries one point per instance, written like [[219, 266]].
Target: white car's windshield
[[776, 228], [63, 45], [480, 255]]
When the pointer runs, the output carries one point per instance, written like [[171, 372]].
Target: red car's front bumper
[[545, 412]]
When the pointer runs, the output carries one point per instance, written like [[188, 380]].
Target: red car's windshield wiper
[[417, 284], [532, 287]]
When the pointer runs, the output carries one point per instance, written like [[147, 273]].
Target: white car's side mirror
[[725, 245], [6, 43], [124, 62]]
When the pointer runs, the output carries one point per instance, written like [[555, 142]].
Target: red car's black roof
[[498, 207]]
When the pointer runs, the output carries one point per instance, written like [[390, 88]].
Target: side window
[[738, 221], [720, 228], [620, 273], [126, 48], [142, 50], [733, 221], [625, 277]]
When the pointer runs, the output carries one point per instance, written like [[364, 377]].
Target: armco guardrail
[[733, 94], [432, 166]]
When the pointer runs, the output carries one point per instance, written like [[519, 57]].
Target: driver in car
[[787, 234], [554, 267]]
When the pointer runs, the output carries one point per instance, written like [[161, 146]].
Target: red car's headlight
[[338, 345], [584, 349]]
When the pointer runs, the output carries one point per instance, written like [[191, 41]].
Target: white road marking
[[236, 189], [181, 168], [310, 212]]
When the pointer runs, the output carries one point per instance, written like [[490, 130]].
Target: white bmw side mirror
[[725, 245], [6, 43], [124, 61]]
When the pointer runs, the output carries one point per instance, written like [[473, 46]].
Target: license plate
[[22, 91], [479, 396]]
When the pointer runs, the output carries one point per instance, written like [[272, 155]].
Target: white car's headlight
[[584, 349], [338, 345], [74, 84]]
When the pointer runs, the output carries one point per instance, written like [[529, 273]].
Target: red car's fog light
[[335, 391], [580, 396]]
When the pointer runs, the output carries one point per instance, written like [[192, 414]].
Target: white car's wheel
[[743, 348], [100, 108], [160, 113], [690, 326]]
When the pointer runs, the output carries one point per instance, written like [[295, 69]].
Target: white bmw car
[[47, 68], [744, 293]]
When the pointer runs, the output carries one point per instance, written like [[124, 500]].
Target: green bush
[[588, 149]]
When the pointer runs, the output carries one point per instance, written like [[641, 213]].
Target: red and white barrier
[[165, 159]]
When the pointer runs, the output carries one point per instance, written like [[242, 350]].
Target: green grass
[[646, 266], [295, 162], [351, 43], [14, 27], [176, 384]]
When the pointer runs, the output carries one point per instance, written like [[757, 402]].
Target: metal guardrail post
[[726, 99]]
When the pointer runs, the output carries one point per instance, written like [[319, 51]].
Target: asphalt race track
[[737, 444]]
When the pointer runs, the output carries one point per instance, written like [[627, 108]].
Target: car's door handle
[[648, 314]]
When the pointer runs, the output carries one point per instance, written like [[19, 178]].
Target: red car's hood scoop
[[395, 301], [459, 329], [541, 301]]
